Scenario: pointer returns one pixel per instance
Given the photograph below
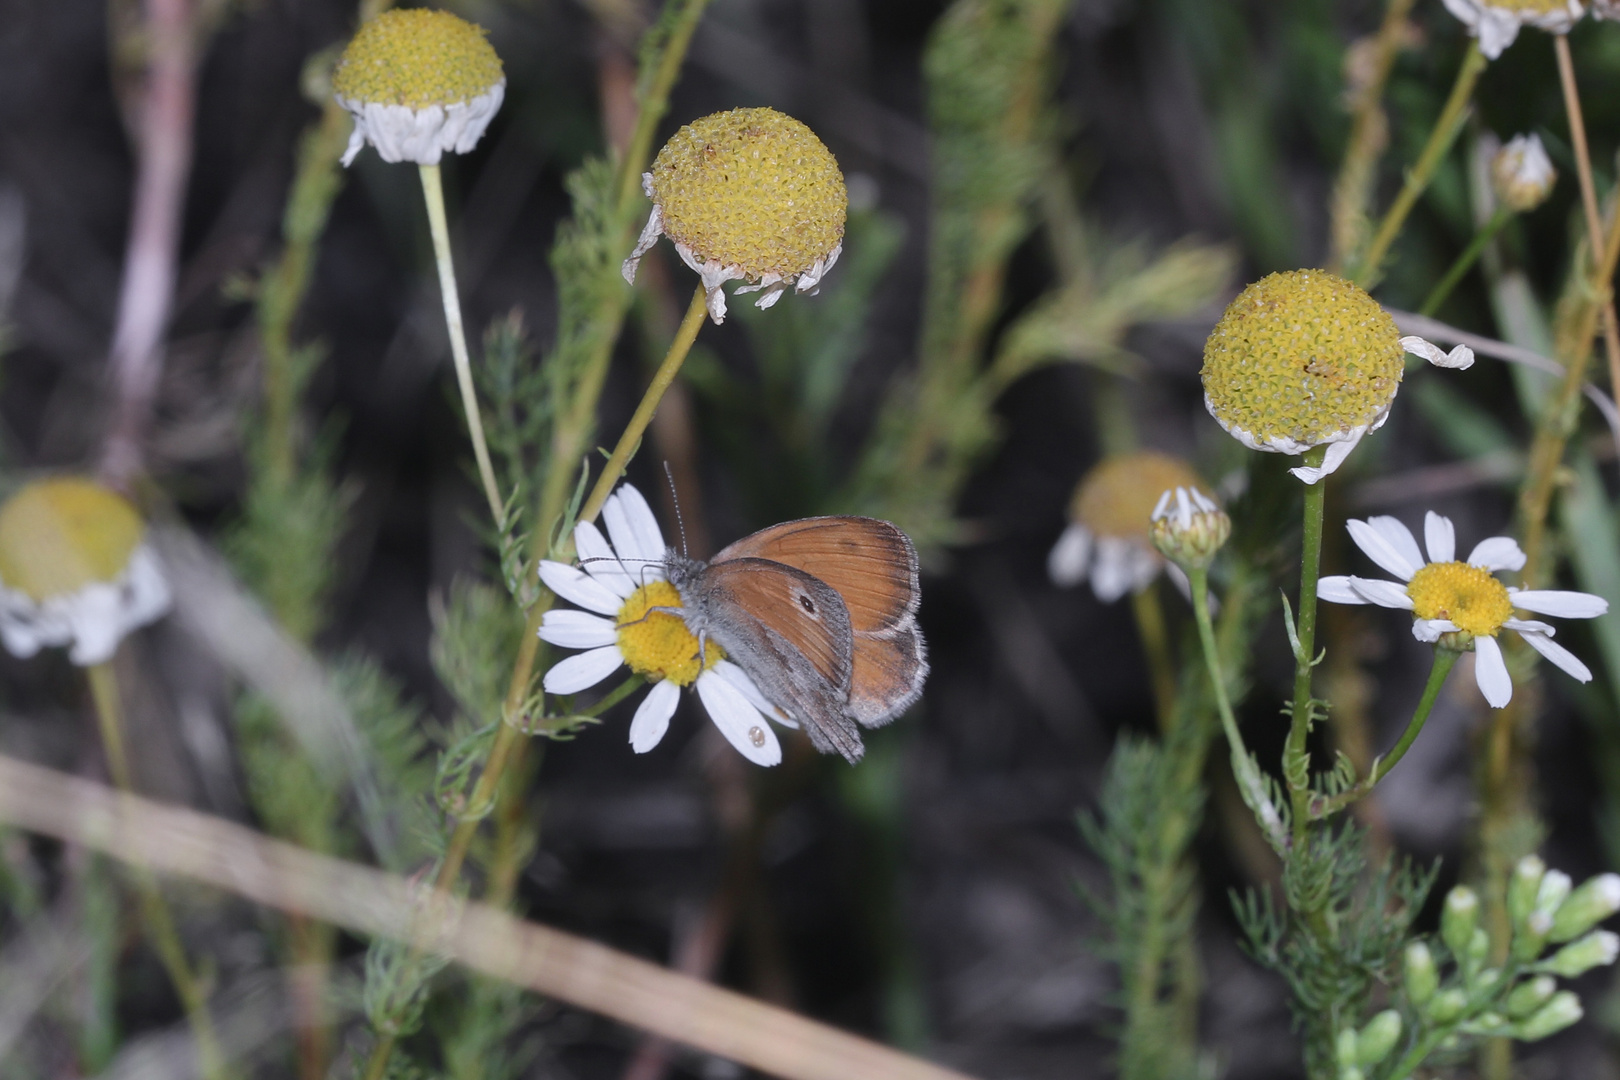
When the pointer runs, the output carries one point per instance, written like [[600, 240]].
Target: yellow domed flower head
[[1109, 517], [1304, 359], [419, 83], [74, 570], [746, 195], [1496, 23]]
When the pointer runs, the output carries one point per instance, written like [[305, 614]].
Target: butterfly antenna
[[675, 498]]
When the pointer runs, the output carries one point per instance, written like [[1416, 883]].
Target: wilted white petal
[[597, 559], [738, 720], [1383, 593], [1336, 453], [1497, 30], [1440, 537], [1070, 556], [1338, 589], [652, 716], [1559, 655], [1497, 553], [572, 629], [650, 233], [1428, 631], [578, 587], [1461, 357], [1567, 605], [1533, 625], [1491, 673], [582, 670], [1390, 546]]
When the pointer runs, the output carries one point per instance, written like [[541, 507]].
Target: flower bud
[[1422, 977], [1344, 1048], [1555, 886], [1188, 528], [1486, 1023], [1447, 1005], [1378, 1038], [1350, 1072], [1522, 888], [1486, 979], [1479, 947], [1529, 996], [1597, 949], [1563, 1010], [1458, 920], [1521, 174], [1587, 906]]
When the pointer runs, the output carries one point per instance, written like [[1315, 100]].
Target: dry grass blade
[[559, 965]]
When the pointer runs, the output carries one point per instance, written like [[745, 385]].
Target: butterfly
[[822, 614]]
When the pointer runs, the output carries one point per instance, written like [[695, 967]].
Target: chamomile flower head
[[1108, 534], [1522, 176], [1496, 23], [1189, 528], [419, 83], [75, 570], [746, 195], [1459, 603], [628, 622], [1305, 358]]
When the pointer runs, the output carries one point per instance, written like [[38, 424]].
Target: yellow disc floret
[[57, 536], [753, 189], [1117, 497], [1468, 596], [1303, 357], [1531, 7], [657, 644], [416, 57]]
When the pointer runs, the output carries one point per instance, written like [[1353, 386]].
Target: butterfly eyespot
[[756, 735], [808, 604]]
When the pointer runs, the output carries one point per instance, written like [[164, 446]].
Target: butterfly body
[[821, 614]]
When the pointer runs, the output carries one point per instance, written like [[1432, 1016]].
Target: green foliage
[[475, 1035], [475, 643]]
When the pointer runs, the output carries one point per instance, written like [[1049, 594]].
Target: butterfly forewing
[[870, 563]]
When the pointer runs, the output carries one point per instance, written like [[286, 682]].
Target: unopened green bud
[[1350, 1072], [1447, 1005], [1479, 947], [1530, 936], [1486, 1023], [1587, 906], [1422, 977], [1522, 888], [1563, 1010], [1378, 1038], [1188, 528], [1555, 886], [1522, 176], [1597, 949], [1529, 996], [1458, 920], [1485, 979], [1344, 1048]]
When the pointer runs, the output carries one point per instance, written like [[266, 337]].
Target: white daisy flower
[[1496, 23], [627, 621], [1108, 539], [1460, 604], [75, 570]]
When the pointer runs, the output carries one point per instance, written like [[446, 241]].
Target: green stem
[[433, 190], [1155, 640], [154, 910], [1465, 261], [1296, 755], [1444, 660], [1244, 770], [1446, 126], [631, 439]]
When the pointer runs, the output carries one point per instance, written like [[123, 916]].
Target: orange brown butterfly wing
[[870, 563], [888, 675]]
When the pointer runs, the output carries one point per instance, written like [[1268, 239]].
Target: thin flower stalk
[[1446, 126], [1466, 260], [1296, 756]]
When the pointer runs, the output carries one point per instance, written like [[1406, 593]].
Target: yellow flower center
[[57, 536], [657, 644], [1302, 355], [1468, 596], [751, 188], [416, 57], [1116, 498], [1531, 7]]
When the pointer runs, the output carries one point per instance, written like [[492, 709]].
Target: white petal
[[644, 540], [1440, 537], [1387, 543], [739, 678], [1383, 593], [1559, 655], [1461, 357], [1114, 569], [1491, 673], [1070, 555], [575, 673], [1428, 631], [650, 233], [1497, 553], [1497, 30], [1531, 625], [596, 558], [1338, 589], [738, 720], [1336, 453], [1567, 605], [577, 629], [577, 587], [652, 716], [97, 629]]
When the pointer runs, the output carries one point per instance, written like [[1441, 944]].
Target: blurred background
[[935, 896]]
